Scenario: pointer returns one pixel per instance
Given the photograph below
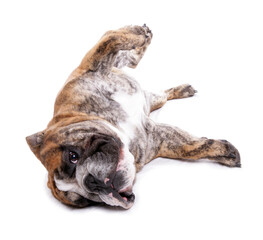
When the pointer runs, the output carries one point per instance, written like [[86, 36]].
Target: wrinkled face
[[88, 163]]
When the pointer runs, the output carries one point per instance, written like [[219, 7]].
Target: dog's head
[[87, 163]]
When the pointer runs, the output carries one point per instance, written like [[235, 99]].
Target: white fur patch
[[64, 186], [134, 106], [126, 164]]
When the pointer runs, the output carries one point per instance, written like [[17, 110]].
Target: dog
[[101, 133]]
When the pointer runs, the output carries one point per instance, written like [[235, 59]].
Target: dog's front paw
[[230, 156], [187, 91], [182, 91], [142, 33], [148, 32], [135, 40]]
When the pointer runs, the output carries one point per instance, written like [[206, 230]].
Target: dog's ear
[[35, 141]]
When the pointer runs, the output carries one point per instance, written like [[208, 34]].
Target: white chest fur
[[134, 106]]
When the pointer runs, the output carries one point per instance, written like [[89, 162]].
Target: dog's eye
[[73, 157]]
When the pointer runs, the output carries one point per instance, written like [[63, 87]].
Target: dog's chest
[[117, 98], [126, 102], [135, 108]]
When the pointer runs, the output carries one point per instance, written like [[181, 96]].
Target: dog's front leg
[[171, 142], [158, 100], [122, 47]]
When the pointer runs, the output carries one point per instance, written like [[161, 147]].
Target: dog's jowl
[[101, 133]]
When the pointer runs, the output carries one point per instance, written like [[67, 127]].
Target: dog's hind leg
[[158, 100], [123, 47], [171, 142]]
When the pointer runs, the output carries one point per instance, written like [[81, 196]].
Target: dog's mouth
[[125, 195], [122, 198], [114, 191]]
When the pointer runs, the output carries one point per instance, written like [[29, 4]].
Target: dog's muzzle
[[110, 190]]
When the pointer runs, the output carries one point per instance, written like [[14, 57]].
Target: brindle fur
[[86, 105]]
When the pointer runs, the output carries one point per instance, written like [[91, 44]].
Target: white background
[[217, 46]]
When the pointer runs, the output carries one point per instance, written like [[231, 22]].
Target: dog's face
[[87, 163]]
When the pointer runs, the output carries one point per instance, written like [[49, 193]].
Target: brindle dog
[[101, 133]]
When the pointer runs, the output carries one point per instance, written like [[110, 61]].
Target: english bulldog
[[101, 134]]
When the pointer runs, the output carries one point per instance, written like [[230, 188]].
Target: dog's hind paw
[[231, 156]]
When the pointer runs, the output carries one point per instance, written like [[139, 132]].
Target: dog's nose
[[94, 184]]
